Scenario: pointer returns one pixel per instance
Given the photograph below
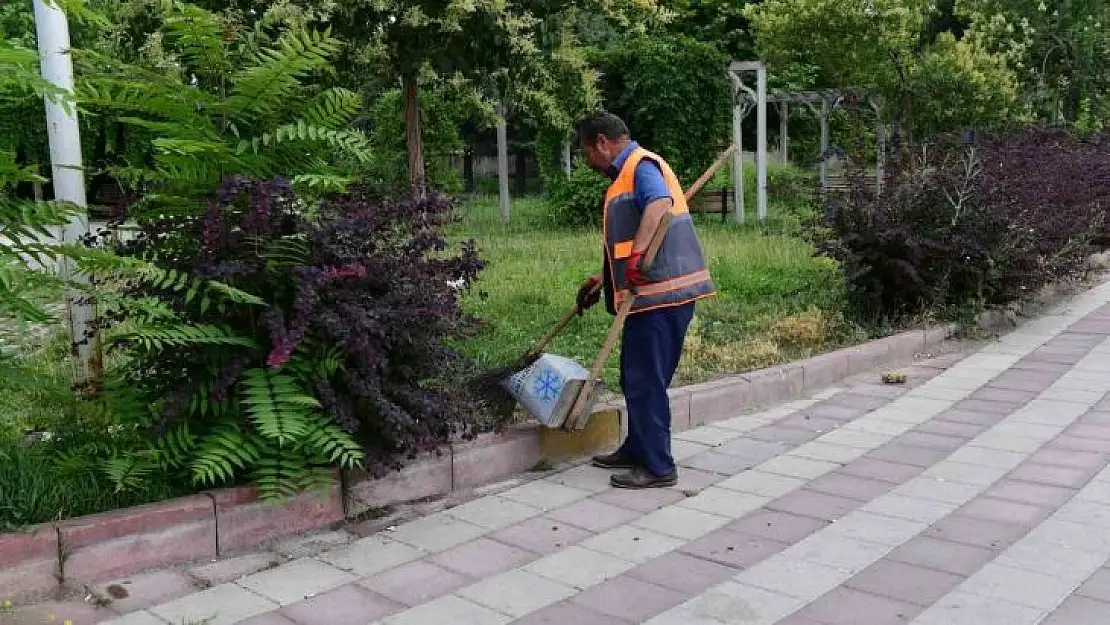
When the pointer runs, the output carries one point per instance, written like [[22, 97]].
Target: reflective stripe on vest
[[679, 274]]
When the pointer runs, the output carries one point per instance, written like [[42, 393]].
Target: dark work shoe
[[642, 478], [615, 460]]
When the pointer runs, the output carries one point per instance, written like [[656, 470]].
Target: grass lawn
[[776, 301]]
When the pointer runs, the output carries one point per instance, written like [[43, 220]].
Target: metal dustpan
[[548, 388]]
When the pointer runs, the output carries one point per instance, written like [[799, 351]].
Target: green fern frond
[[223, 452], [321, 184], [351, 142], [277, 406], [333, 108], [198, 38], [179, 335], [127, 472], [327, 440], [172, 450], [281, 474], [269, 85]]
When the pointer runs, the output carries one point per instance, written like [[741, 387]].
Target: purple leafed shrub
[[970, 221], [360, 306]]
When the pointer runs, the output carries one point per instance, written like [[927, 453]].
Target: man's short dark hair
[[601, 123]]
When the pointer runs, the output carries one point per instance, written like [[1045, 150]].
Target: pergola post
[[503, 163], [826, 112], [738, 106], [784, 132], [566, 156], [737, 68]]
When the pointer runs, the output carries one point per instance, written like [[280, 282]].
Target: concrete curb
[[56, 557]]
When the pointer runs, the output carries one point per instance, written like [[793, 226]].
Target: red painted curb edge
[[54, 557]]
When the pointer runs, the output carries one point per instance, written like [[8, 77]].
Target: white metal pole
[[738, 156], [503, 163], [566, 156], [761, 157], [68, 177]]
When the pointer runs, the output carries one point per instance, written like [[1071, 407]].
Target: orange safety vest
[[679, 274]]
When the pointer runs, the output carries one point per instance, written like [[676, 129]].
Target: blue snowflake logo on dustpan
[[547, 385]]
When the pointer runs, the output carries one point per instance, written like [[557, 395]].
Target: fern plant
[[240, 103]]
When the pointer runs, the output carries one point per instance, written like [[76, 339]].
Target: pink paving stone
[[482, 557], [694, 481], [593, 515], [927, 440], [976, 532], [1013, 512], [1083, 430], [951, 428], [682, 572], [794, 619], [844, 606], [1025, 380], [1074, 459], [850, 486], [346, 605], [629, 599], [992, 407], [733, 548], [1052, 475], [781, 434], [942, 555], [415, 582], [972, 417], [810, 503], [1079, 611], [146, 589], [541, 535], [566, 614], [904, 582], [1097, 586], [1038, 365], [881, 391], [778, 526], [831, 411], [1027, 492], [647, 500], [1077, 444], [891, 472], [1003, 395], [907, 454], [1097, 417]]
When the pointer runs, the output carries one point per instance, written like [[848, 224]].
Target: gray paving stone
[[951, 428], [994, 458], [307, 545], [1018, 586], [930, 440], [819, 450], [232, 569], [579, 567], [731, 603], [224, 605], [963, 473], [143, 590], [544, 495], [840, 552], [296, 580], [802, 579], [938, 489], [583, 477], [995, 394], [632, 543], [515, 593], [942, 555], [141, 617], [725, 503], [721, 463], [810, 423], [682, 522], [497, 512], [268, 618], [781, 434], [707, 435], [758, 482], [371, 555], [904, 582], [970, 417], [961, 608], [796, 466], [438, 532]]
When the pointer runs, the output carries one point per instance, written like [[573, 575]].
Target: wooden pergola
[[823, 102]]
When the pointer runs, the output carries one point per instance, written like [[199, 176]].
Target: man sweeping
[[643, 190]]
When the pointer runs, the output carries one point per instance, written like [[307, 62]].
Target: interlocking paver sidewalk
[[977, 493]]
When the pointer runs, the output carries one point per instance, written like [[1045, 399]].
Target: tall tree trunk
[[413, 141]]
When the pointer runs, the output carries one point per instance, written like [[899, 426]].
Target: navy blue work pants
[[650, 350]]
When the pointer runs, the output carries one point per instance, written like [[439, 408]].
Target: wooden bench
[[711, 201]]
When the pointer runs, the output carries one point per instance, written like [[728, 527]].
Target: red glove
[[589, 293], [632, 271]]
